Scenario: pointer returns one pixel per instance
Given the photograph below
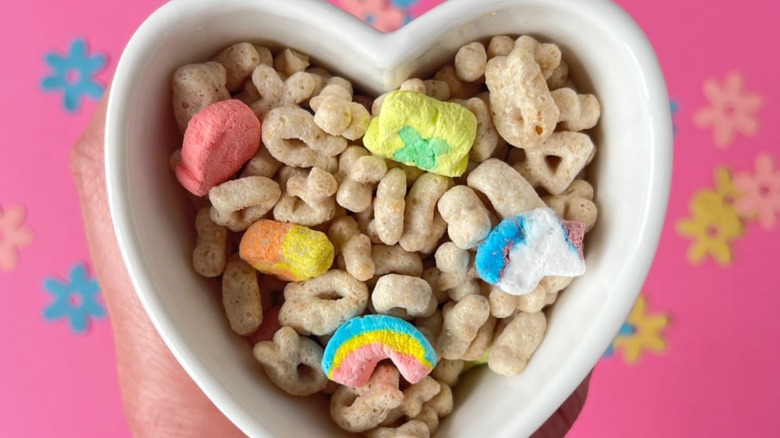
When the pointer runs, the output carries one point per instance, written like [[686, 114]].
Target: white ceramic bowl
[[609, 56]]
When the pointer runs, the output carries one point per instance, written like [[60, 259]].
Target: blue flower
[[674, 107], [74, 74], [404, 3], [76, 299], [626, 330]]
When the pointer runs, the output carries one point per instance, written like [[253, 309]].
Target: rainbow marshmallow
[[360, 343]]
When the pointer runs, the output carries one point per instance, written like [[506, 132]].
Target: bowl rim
[[424, 28]]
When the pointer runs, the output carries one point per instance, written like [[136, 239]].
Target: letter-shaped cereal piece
[[308, 200], [508, 192], [241, 297], [523, 110], [467, 218], [360, 172], [462, 322], [292, 138], [548, 56], [417, 130], [357, 346], [363, 408], [559, 160], [578, 111], [389, 206], [196, 86], [514, 345], [523, 249], [210, 253], [354, 247], [292, 362], [218, 141], [420, 216], [403, 296], [287, 251], [238, 203], [319, 306], [575, 204]]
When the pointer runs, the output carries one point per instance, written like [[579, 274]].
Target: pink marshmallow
[[219, 139]]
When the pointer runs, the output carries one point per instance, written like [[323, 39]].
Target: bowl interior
[[609, 57]]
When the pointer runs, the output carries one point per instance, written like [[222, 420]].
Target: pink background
[[717, 376]]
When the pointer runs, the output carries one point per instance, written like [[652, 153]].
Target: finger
[[159, 398]]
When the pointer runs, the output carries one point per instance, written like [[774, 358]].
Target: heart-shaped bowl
[[609, 56]]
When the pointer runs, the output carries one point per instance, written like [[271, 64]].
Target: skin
[[158, 396]]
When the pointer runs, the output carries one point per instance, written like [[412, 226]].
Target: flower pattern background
[[690, 346]]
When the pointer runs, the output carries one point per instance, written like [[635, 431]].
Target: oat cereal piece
[[458, 274], [524, 112], [447, 373], [513, 347], [361, 343], [241, 297], [479, 346], [470, 62], [578, 111], [389, 206], [462, 322], [361, 409], [428, 416], [360, 172], [412, 173], [559, 76], [430, 326], [262, 164], [420, 131], [320, 305], [308, 199], [264, 55], [442, 403], [210, 253], [292, 362], [403, 296], [487, 139], [501, 45], [557, 162], [575, 204], [438, 90], [468, 221], [458, 89], [544, 295], [275, 92], [508, 192], [420, 228], [415, 84], [218, 141], [410, 429], [548, 56], [239, 61], [337, 114], [287, 251], [293, 139], [353, 246], [418, 394], [239, 203], [289, 62], [196, 86]]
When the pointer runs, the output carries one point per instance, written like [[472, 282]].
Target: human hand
[[158, 396]]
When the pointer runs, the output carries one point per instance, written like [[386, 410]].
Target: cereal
[[353, 246], [359, 344], [308, 199], [435, 255], [417, 130], [239, 203], [360, 172], [363, 408], [239, 61], [468, 221], [210, 253], [403, 296], [292, 362], [462, 322], [423, 225], [241, 297], [470, 62], [575, 204], [196, 86], [389, 206], [513, 346], [523, 110], [523, 249], [320, 305], [293, 139], [218, 141], [558, 161], [509, 193], [289, 252]]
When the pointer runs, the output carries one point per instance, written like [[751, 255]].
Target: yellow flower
[[645, 332], [714, 222]]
